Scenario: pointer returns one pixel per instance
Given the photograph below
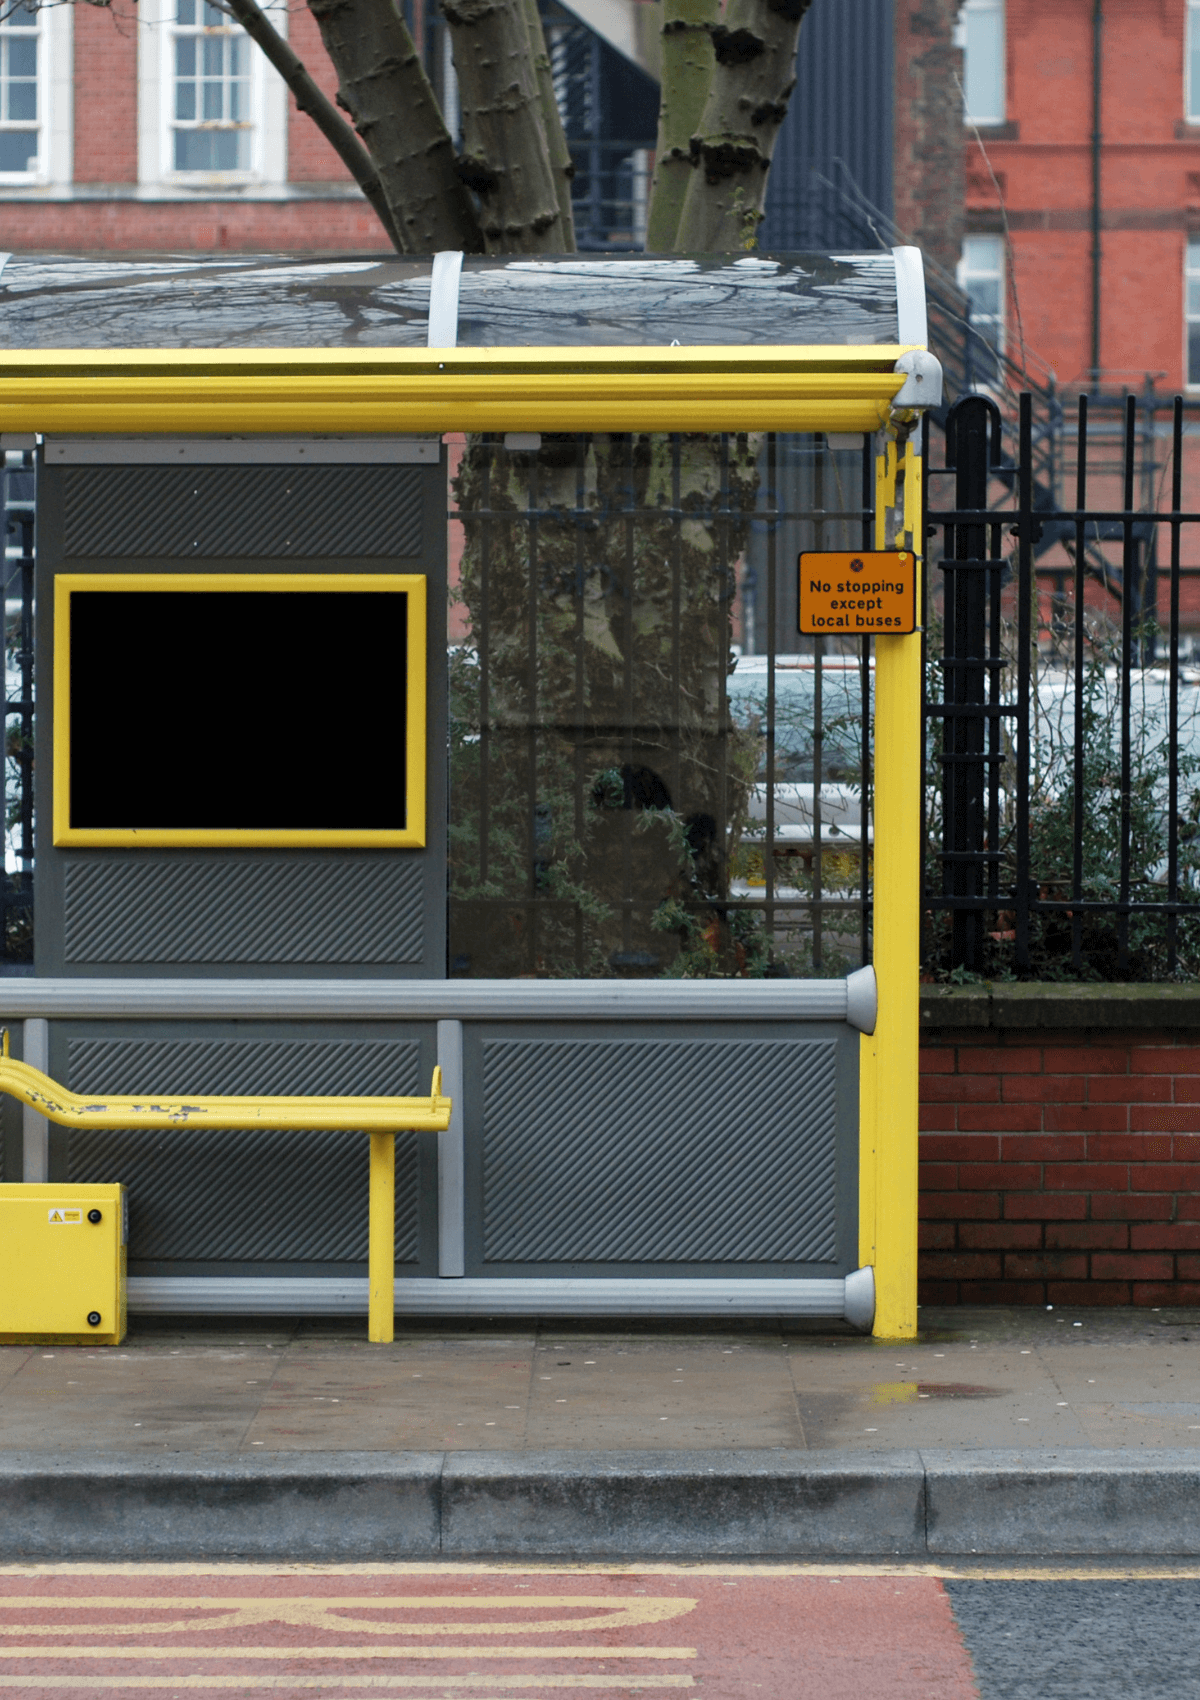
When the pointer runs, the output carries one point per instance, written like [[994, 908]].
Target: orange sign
[[854, 593]]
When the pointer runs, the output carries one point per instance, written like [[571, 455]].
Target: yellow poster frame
[[411, 836]]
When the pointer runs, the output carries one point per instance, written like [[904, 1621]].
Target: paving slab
[[974, 1379]]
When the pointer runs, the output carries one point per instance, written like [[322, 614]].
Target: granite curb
[[340, 1507]]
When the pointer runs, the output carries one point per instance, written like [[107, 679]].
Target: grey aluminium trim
[[443, 299], [912, 322], [451, 1155], [242, 451], [35, 1129], [213, 1295], [431, 1000]]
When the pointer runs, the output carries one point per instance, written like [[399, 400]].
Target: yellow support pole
[[381, 1245], [892, 1095]]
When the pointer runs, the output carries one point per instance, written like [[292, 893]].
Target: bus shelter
[[334, 784]]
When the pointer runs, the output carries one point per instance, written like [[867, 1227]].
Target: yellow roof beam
[[315, 391]]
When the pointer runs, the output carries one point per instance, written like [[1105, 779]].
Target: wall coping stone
[[1032, 1004]]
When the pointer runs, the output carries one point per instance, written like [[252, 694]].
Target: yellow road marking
[[65, 1650], [1074, 1569], [377, 1683], [313, 1612]]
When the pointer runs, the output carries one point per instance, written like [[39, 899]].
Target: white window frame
[[962, 32], [156, 91], [1191, 48], [1191, 274], [55, 97], [971, 247]]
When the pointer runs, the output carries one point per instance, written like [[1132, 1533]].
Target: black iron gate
[[1062, 778]]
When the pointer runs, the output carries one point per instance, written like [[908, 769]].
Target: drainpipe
[[1097, 69]]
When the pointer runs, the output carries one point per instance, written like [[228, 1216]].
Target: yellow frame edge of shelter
[[412, 836], [320, 391]]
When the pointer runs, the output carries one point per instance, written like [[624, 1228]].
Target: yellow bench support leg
[[381, 1253]]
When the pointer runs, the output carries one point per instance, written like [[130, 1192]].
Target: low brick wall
[[1060, 1145]]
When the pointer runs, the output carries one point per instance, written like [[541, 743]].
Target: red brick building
[[157, 127], [1083, 139]]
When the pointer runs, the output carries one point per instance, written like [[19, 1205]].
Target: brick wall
[[105, 117], [310, 157], [928, 161], [152, 227], [1060, 1167]]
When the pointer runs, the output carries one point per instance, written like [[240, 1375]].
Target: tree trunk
[[687, 67], [561, 163], [312, 101], [383, 86], [747, 101], [506, 159]]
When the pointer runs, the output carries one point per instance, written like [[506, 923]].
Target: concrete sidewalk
[[989, 1378], [1001, 1431]]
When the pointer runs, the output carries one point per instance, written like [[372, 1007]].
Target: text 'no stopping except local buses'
[[855, 593]]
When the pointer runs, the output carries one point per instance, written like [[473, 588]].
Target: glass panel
[[193, 150], [18, 150], [230, 150], [22, 102], [1194, 354], [211, 150], [213, 104], [1193, 297], [214, 56], [613, 781], [22, 56], [760, 298], [214, 17], [985, 295], [983, 65], [186, 13]]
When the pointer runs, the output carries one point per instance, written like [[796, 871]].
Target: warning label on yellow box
[[855, 594]]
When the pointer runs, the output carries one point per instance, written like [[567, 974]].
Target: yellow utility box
[[62, 1264]]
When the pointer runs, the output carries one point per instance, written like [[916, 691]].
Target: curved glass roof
[[269, 301]]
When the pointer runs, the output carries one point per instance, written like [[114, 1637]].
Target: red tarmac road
[[413, 1632]]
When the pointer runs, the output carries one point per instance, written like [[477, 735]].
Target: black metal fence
[[1062, 785]]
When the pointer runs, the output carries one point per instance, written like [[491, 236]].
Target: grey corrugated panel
[[659, 1150], [242, 512], [842, 109], [228, 451], [429, 1000], [245, 1196], [143, 907], [249, 1295]]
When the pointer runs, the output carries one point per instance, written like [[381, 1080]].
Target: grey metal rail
[[852, 999]]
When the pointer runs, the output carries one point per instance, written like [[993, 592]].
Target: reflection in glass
[[640, 786]]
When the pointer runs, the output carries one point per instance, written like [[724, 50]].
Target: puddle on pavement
[[908, 1392]]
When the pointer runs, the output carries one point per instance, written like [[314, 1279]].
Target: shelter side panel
[[663, 1148], [291, 739], [221, 1202]]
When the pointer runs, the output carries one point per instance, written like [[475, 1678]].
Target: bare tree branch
[[561, 164], [317, 106], [752, 82], [506, 159], [383, 86], [687, 67]]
